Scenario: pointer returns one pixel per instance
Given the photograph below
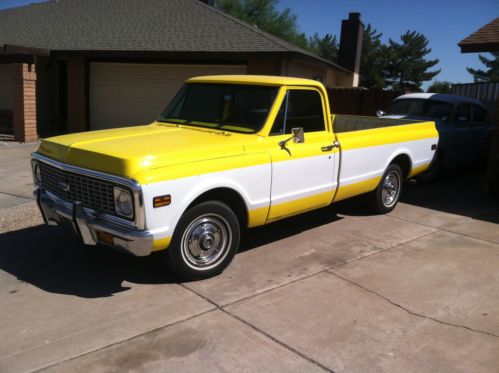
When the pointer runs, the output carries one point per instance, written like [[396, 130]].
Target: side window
[[479, 114], [463, 113], [304, 109]]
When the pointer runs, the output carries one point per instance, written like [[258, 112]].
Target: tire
[[204, 242], [431, 174], [386, 196]]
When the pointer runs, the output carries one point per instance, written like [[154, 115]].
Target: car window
[[463, 113], [398, 107], [300, 108], [479, 114], [421, 108]]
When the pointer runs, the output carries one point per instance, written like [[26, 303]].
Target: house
[[76, 65], [486, 39]]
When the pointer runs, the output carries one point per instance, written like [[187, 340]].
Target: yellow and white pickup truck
[[228, 152]]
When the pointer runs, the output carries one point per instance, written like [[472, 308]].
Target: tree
[[407, 67], [373, 60], [264, 15], [325, 47], [440, 87], [491, 74]]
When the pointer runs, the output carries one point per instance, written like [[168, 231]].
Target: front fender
[[249, 176]]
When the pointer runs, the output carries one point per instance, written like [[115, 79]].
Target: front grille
[[92, 193]]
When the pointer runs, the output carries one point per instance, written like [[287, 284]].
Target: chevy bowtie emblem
[[63, 186]]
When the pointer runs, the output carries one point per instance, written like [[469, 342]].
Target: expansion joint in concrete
[[408, 310], [258, 330]]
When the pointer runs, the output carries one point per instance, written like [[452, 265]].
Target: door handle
[[328, 148]]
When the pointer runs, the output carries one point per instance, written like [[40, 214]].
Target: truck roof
[[256, 79]]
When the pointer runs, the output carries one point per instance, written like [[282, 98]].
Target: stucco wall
[[329, 76]]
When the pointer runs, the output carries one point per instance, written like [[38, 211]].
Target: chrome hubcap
[[391, 189], [206, 241]]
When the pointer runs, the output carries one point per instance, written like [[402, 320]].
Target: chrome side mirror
[[380, 113], [298, 135]]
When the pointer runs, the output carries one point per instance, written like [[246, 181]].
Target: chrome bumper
[[86, 224]]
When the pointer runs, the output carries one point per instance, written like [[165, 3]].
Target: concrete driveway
[[16, 186], [336, 290]]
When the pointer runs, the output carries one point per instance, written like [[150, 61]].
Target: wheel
[[385, 197], [432, 172], [204, 242]]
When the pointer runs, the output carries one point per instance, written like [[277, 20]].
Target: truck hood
[[127, 151]]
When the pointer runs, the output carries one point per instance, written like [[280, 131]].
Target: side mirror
[[298, 134], [298, 137], [380, 113]]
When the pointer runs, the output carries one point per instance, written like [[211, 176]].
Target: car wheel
[[386, 196], [205, 241], [432, 172]]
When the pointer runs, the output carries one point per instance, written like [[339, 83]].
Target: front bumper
[[88, 226]]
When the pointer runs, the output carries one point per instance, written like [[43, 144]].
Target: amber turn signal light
[[105, 237], [161, 201]]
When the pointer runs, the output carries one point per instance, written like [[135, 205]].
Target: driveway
[[16, 187], [332, 290]]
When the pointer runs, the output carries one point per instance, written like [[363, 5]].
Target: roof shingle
[[131, 25], [486, 39]]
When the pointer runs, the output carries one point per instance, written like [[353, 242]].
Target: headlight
[[123, 202], [37, 175]]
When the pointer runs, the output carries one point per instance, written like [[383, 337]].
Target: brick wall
[[77, 110], [24, 102]]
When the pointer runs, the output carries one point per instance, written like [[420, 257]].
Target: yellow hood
[[127, 151]]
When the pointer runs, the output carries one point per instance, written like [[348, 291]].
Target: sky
[[443, 22]]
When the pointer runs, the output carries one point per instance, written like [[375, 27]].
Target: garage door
[[129, 94]]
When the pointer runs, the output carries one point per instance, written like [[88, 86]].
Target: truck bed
[[351, 123]]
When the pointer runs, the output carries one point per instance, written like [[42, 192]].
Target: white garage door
[[124, 94]]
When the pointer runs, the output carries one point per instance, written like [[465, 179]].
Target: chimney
[[352, 32], [208, 2]]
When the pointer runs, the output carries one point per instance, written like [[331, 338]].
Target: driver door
[[302, 173]]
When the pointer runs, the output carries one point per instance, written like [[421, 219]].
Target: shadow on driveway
[[460, 193], [53, 259]]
